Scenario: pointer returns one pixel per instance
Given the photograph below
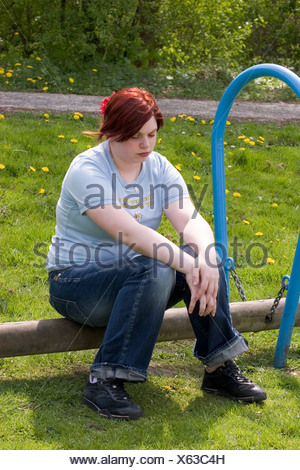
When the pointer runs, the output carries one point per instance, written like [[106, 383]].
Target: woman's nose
[[144, 142]]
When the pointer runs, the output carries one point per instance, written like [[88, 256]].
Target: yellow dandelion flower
[[252, 142], [61, 136], [173, 119], [159, 140], [274, 204], [17, 64], [41, 191], [181, 115], [203, 122], [198, 133], [225, 143], [228, 123], [46, 115], [242, 148], [94, 70], [241, 137], [71, 80], [198, 158], [259, 234], [38, 58], [164, 92], [2, 116], [76, 116], [196, 177], [226, 191], [246, 222], [247, 141], [261, 138], [88, 146], [74, 140], [31, 168], [178, 166], [39, 78], [2, 166], [270, 260], [212, 121], [190, 118], [45, 88], [29, 67], [9, 74], [193, 153], [45, 168], [2, 71], [167, 387], [236, 194]]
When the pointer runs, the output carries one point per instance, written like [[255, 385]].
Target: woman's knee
[[164, 275]]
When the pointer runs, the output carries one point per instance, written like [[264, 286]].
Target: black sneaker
[[109, 399], [229, 381]]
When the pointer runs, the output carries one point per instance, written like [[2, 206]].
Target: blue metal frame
[[218, 174]]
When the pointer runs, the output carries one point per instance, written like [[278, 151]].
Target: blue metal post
[[289, 312], [218, 170]]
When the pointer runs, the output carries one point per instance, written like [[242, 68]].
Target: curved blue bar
[[218, 175]]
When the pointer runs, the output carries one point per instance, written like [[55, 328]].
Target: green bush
[[205, 38]]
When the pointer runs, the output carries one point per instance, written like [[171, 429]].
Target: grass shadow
[[47, 413]]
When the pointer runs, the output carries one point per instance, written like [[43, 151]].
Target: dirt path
[[59, 103]]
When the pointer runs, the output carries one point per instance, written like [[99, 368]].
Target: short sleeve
[[87, 185], [174, 186]]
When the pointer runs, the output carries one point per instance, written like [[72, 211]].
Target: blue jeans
[[130, 300]]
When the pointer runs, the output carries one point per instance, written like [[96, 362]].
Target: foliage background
[[205, 37]]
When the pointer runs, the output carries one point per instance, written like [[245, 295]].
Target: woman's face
[[137, 148]]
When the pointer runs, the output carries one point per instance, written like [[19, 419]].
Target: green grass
[[101, 78], [40, 396]]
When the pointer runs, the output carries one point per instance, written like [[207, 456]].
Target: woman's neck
[[129, 171]]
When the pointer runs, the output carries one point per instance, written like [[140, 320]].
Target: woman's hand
[[203, 278], [203, 282]]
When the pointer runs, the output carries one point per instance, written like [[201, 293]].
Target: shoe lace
[[233, 370], [116, 388]]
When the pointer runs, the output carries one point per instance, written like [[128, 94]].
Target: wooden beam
[[61, 335]]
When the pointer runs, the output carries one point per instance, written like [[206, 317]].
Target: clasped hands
[[203, 282]]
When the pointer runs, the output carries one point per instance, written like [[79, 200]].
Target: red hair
[[126, 113]]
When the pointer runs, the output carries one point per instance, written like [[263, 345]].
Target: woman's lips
[[144, 154]]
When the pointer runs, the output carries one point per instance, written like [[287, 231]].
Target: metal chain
[[269, 316], [238, 283]]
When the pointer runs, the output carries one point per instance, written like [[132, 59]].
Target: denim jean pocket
[[70, 310]]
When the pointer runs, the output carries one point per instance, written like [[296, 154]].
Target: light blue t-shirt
[[93, 180]]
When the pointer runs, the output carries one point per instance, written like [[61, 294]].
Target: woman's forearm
[[199, 235], [150, 243]]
